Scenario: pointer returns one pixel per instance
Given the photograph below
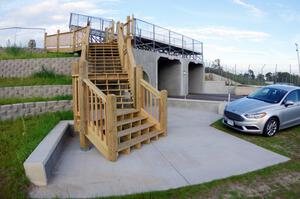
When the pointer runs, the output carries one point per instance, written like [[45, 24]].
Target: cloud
[[256, 11], [223, 33], [49, 13]]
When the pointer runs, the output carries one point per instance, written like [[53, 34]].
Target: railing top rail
[[95, 89], [149, 87], [79, 20], [168, 30]]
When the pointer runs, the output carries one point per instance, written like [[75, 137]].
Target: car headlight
[[255, 115]]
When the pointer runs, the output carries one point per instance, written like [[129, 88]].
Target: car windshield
[[267, 94]]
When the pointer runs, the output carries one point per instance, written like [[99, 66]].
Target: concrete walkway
[[192, 153]]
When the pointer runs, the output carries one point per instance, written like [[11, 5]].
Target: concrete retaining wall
[[26, 67], [217, 87], [201, 105], [245, 90], [13, 111], [35, 91]]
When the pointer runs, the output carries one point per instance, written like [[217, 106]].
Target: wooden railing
[[65, 42], [151, 101], [126, 55], [110, 33]]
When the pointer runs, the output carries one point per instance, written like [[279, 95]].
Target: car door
[[291, 114]]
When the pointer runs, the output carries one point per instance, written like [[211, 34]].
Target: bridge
[[170, 60]]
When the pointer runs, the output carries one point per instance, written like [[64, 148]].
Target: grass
[[15, 52], [43, 77], [34, 99], [18, 139]]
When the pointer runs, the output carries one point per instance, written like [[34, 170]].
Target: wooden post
[[132, 26], [74, 41], [75, 72], [112, 35], [128, 26], [83, 108], [112, 127], [57, 41], [163, 107], [45, 41], [138, 92]]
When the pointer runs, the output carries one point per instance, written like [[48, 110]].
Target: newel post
[[57, 41], [75, 72], [112, 136], [138, 91], [83, 104], [45, 41], [163, 107], [74, 40]]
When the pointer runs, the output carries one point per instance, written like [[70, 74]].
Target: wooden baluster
[[101, 118]]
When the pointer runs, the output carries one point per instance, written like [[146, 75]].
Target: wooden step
[[121, 112], [139, 139], [131, 120], [134, 129]]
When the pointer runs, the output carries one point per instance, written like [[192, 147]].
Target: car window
[[271, 95], [293, 96]]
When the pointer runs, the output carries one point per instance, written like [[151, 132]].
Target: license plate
[[230, 122]]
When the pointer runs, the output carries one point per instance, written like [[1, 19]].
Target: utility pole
[[297, 50], [262, 73]]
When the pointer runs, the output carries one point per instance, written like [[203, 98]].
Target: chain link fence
[[21, 37], [255, 74]]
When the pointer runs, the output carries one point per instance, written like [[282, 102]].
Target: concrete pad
[[192, 153]]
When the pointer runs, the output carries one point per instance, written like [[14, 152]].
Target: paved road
[[210, 97], [192, 153]]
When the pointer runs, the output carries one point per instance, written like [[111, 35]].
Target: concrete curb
[[39, 165], [201, 105]]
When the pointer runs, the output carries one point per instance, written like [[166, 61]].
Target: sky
[[238, 32]]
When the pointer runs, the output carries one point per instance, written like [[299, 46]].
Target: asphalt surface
[[210, 97]]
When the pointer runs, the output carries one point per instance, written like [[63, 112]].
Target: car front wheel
[[271, 127]]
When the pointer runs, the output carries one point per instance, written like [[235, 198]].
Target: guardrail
[[151, 37]]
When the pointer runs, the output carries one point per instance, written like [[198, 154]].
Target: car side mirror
[[288, 103]]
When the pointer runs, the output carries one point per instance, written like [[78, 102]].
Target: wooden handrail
[[95, 89], [150, 88]]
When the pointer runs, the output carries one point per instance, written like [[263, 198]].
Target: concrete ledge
[[201, 105], [39, 165]]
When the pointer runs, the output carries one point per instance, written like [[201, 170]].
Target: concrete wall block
[[26, 67], [35, 91]]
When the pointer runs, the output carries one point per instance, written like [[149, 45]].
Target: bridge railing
[[150, 36]]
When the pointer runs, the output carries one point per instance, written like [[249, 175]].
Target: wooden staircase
[[114, 108]]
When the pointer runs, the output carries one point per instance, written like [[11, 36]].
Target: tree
[[269, 76], [260, 77], [251, 74]]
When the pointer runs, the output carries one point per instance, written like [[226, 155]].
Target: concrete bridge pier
[[179, 76]]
